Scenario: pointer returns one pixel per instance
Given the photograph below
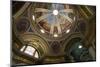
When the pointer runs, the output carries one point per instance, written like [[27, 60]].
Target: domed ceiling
[[45, 33], [54, 20]]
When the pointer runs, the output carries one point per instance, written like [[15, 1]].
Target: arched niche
[[76, 50], [37, 42]]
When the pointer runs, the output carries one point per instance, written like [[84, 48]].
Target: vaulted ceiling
[[57, 32]]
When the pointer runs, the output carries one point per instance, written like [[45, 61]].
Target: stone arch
[[39, 43]]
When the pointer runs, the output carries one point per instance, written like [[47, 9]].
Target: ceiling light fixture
[[80, 46], [55, 12], [68, 31], [42, 31], [74, 18], [55, 35], [33, 17]]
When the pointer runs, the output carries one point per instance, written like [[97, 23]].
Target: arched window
[[30, 51]]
